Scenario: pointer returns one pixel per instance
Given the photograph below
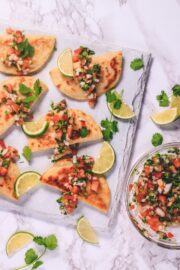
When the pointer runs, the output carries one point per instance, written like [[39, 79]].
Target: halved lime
[[17, 241], [85, 231], [105, 160], [165, 117], [25, 182], [175, 103], [124, 112], [65, 63], [35, 129]]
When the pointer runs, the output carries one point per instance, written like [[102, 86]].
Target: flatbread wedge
[[111, 66], [47, 141], [6, 121], [43, 46], [54, 175]]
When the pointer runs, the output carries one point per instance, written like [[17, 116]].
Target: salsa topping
[[19, 104], [7, 155], [88, 74], [79, 180], [20, 52], [157, 192], [65, 127]]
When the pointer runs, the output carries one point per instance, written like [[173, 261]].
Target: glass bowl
[[132, 208]]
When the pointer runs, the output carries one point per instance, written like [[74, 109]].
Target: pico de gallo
[[78, 180], [65, 127], [20, 52], [88, 74], [7, 155], [157, 191], [19, 101]]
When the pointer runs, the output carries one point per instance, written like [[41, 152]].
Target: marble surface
[[148, 25]]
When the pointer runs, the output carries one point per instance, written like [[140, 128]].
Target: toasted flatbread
[[6, 123], [43, 45], [111, 66], [100, 200], [7, 182], [47, 141]]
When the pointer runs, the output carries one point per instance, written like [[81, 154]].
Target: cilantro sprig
[[137, 64], [112, 97], [176, 90], [109, 128], [32, 258], [157, 139], [163, 99], [25, 48], [30, 94]]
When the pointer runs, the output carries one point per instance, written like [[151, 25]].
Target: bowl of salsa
[[153, 195]]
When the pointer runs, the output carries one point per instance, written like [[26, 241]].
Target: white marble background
[[149, 25]]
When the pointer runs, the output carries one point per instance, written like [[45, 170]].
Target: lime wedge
[[65, 63], [175, 103], [124, 112], [105, 160], [35, 129], [85, 231], [25, 182], [165, 117], [18, 241]]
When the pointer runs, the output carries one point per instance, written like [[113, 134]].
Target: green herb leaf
[[84, 132], [6, 163], [51, 242], [37, 87], [110, 127], [26, 49], [39, 240], [176, 90], [29, 99], [27, 153], [117, 104], [137, 64], [157, 139], [110, 97], [163, 99], [24, 90], [37, 264], [30, 256]]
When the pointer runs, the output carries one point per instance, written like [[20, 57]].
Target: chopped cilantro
[[6, 163], [117, 104], [137, 64], [176, 90], [163, 99], [157, 139], [84, 132], [29, 99]]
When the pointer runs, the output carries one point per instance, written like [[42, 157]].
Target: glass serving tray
[[41, 202]]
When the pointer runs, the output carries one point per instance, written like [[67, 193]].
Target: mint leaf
[[157, 139], [24, 90], [163, 99], [84, 132], [27, 153], [137, 64], [176, 90], [51, 242], [29, 99], [37, 264], [30, 256], [37, 88], [117, 104]]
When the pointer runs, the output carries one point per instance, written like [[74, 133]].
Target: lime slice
[[18, 241], [25, 182], [175, 103], [85, 231], [124, 112], [165, 117], [65, 63], [105, 160], [35, 129]]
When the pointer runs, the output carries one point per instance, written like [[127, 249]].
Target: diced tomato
[[59, 134], [56, 117], [146, 170], [83, 123], [78, 50], [157, 175], [176, 162], [150, 185], [9, 88], [154, 223], [65, 117], [3, 171], [95, 185], [75, 189], [13, 105], [26, 63], [130, 187], [69, 131], [75, 58], [170, 235], [131, 207], [2, 144], [162, 199]]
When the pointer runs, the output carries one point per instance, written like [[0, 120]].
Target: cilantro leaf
[[176, 90], [137, 64], [24, 90], [51, 242], [84, 132], [26, 49], [114, 126], [37, 88], [30, 256], [39, 240], [163, 99], [29, 99], [6, 163], [117, 104], [157, 139], [110, 127], [37, 264], [110, 97], [27, 153], [107, 134]]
